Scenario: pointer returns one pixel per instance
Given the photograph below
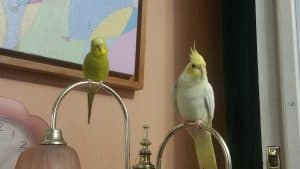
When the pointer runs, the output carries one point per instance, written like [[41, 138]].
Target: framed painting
[[53, 36]]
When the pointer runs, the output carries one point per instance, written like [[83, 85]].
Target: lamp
[[53, 152]]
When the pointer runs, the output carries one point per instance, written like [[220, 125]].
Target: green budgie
[[95, 68], [194, 98]]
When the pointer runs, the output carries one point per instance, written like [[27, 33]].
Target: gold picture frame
[[23, 61]]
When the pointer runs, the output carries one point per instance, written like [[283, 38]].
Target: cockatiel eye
[[193, 65]]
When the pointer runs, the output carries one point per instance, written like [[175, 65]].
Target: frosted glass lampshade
[[49, 157]]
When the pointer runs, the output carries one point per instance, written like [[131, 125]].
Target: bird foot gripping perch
[[91, 82], [198, 123]]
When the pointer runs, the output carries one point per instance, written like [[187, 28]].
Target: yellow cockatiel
[[194, 99]]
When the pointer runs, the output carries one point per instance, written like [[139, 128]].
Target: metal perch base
[[54, 136]]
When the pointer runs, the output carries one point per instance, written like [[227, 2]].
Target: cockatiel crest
[[197, 65], [196, 58]]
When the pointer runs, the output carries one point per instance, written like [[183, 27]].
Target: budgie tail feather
[[92, 90]]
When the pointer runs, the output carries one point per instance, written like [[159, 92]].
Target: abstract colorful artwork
[[62, 29]]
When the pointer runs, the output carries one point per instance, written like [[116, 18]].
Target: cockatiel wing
[[210, 102], [174, 95]]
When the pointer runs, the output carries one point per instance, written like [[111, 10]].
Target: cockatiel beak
[[201, 68]]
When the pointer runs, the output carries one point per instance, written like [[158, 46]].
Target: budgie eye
[[193, 65]]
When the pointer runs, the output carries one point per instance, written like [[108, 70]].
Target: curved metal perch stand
[[188, 124], [54, 135]]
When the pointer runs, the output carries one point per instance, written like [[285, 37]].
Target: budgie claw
[[90, 83]]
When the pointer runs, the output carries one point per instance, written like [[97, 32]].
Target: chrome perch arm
[[51, 136], [188, 124]]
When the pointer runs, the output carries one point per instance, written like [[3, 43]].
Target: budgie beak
[[99, 46]]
